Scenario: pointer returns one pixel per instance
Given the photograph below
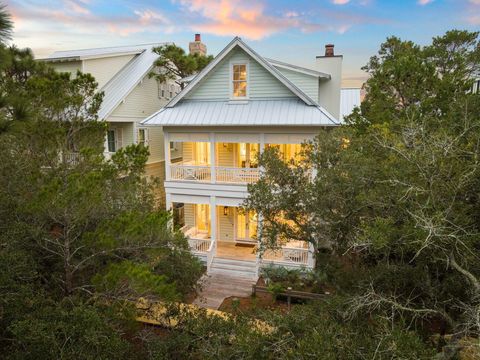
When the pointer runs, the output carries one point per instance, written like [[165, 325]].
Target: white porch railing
[[223, 174], [71, 158], [237, 175], [190, 172], [293, 254], [197, 240]]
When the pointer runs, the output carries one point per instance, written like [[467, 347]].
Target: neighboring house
[[237, 106], [130, 95], [476, 86]]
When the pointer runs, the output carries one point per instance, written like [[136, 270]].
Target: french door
[[246, 226]]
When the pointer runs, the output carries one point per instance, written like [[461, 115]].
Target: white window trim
[[118, 135], [247, 64], [145, 132]]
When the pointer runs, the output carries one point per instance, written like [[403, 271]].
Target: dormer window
[[239, 81]]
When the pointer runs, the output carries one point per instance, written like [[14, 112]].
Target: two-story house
[[226, 115], [130, 95]]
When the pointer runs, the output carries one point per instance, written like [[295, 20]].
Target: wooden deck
[[230, 250], [217, 287]]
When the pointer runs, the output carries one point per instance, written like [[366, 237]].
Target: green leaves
[[174, 64]]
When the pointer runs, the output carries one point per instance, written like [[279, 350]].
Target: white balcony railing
[[190, 172], [296, 253], [223, 174], [237, 175]]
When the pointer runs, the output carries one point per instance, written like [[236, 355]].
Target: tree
[[174, 64], [79, 234], [397, 188], [6, 25]]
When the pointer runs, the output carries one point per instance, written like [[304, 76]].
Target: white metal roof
[[269, 67], [349, 99], [278, 112], [299, 69], [117, 89], [83, 54]]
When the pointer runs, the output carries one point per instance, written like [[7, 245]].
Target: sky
[[293, 31]]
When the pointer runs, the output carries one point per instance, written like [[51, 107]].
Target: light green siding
[[307, 83], [261, 84]]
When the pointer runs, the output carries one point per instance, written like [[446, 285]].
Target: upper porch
[[226, 157]]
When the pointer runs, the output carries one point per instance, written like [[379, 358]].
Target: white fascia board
[[299, 69]]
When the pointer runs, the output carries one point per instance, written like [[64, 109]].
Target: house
[[130, 95], [227, 114]]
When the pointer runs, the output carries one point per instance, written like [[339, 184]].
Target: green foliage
[[315, 331], [66, 331], [6, 25], [175, 64], [395, 198], [137, 279]]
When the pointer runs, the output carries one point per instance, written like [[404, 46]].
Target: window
[[114, 139], [239, 80], [142, 137], [476, 87], [111, 139], [172, 145]]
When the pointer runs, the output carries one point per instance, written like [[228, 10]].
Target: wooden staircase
[[243, 269]]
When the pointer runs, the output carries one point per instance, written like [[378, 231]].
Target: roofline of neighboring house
[[88, 57], [66, 55]]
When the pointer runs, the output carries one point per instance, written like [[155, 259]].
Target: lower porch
[[229, 233]]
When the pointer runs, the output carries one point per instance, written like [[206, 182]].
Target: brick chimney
[[197, 47], [329, 50]]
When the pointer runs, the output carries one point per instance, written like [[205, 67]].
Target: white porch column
[[166, 143], [168, 207], [311, 256], [213, 176], [262, 142], [213, 221]]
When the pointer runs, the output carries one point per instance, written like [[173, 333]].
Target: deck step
[[238, 268]]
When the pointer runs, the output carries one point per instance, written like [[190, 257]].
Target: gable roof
[[118, 87], [262, 61], [85, 54]]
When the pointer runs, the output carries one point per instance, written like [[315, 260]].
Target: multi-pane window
[[239, 80]]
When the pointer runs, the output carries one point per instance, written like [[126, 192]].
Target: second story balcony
[[227, 163]]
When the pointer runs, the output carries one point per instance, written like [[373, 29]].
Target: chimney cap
[[329, 50], [198, 37]]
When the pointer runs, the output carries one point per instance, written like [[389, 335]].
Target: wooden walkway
[[217, 287]]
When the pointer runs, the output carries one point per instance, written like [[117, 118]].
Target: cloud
[[424, 2], [340, 2], [253, 20], [77, 7], [75, 17]]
